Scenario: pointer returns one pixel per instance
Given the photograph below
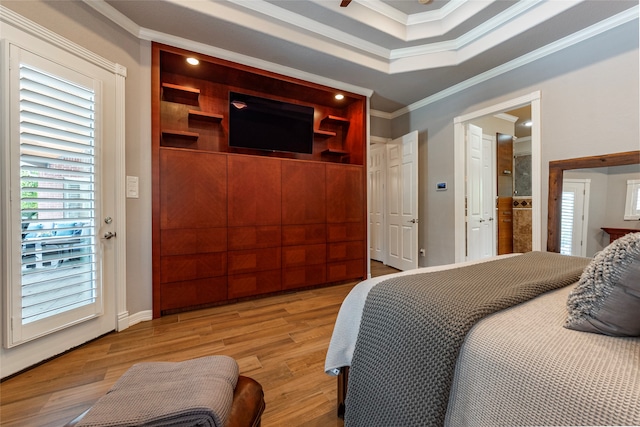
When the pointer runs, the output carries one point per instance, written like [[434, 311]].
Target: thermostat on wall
[[441, 186]]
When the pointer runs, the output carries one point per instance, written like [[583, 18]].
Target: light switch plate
[[132, 187]]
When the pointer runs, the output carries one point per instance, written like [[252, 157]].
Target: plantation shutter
[[59, 284], [566, 222]]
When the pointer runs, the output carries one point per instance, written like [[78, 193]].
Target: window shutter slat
[[57, 195]]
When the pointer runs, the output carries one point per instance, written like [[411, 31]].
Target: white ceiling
[[401, 50]]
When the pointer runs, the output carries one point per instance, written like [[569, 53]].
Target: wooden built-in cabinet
[[234, 223]]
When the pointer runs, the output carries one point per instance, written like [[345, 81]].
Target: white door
[[480, 197], [61, 261], [376, 201], [573, 218], [402, 202], [489, 192], [474, 192]]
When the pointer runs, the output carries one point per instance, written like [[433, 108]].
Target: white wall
[[589, 106]]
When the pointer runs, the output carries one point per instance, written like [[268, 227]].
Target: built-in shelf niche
[[205, 116], [324, 133], [180, 94], [336, 120], [180, 134]]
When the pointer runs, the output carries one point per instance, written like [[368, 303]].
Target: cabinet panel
[[345, 270], [193, 189], [267, 236], [254, 260], [244, 285], [303, 234], [254, 191], [196, 266], [193, 241], [345, 194], [298, 277], [303, 193], [345, 232], [298, 256], [345, 250], [180, 295]]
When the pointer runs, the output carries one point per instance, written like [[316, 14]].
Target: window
[[574, 216], [566, 222], [632, 206], [56, 281]]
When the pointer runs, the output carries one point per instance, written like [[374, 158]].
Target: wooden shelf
[[178, 93], [324, 133], [204, 116], [336, 120], [180, 134]]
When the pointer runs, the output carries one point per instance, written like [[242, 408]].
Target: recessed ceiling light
[[193, 61], [339, 96], [528, 123]]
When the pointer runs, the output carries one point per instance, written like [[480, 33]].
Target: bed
[[517, 361]]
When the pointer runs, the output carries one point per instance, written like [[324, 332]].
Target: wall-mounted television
[[268, 124]]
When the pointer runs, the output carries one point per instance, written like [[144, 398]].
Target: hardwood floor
[[280, 341]]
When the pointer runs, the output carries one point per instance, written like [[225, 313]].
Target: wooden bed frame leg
[[343, 379]]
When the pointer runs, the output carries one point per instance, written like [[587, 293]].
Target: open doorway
[[527, 210]]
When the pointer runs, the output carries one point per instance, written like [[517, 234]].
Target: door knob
[[109, 235], [413, 221]]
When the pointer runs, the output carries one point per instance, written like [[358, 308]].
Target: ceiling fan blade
[[345, 3]]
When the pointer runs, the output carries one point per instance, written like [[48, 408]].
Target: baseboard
[[141, 316]]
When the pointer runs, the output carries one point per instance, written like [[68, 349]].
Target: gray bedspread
[[521, 367], [413, 326], [196, 392]]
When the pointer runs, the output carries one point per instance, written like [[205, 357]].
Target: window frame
[[17, 331], [632, 202]]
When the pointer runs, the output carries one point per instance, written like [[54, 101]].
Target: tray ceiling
[[402, 50]]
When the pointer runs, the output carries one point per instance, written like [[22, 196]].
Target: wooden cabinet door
[[193, 189], [254, 191], [303, 193], [346, 194]]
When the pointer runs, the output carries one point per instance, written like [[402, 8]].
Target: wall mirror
[[556, 174]]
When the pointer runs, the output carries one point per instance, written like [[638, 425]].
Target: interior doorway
[[463, 185], [393, 202]]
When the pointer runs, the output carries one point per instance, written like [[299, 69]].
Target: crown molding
[[381, 114], [115, 16], [379, 139], [508, 117], [13, 18], [305, 24], [585, 34], [268, 18], [508, 24], [446, 57]]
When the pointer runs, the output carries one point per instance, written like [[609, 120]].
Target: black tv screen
[[268, 124]]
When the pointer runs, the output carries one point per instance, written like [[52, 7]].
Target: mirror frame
[[556, 172]]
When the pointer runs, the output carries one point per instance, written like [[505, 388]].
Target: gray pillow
[[606, 299]]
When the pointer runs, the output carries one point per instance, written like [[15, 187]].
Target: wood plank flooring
[[280, 341]]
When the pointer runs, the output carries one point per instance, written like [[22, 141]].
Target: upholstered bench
[[245, 409]]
